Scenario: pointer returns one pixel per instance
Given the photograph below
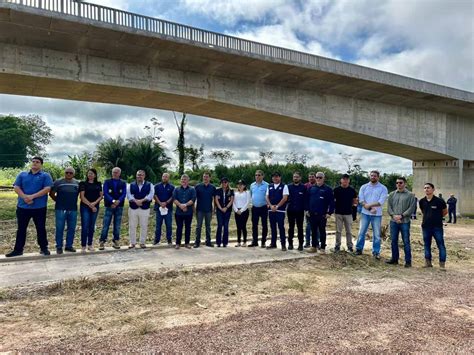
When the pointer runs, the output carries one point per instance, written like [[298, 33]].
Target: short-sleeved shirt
[[432, 212], [30, 184], [164, 192], [224, 196], [343, 198], [184, 195], [66, 194], [204, 197], [259, 192], [91, 191]]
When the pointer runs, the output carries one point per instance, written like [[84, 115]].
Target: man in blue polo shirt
[[258, 190], [32, 188], [164, 208], [205, 192]]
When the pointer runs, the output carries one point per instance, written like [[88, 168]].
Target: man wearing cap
[[320, 206], [276, 196], [345, 196], [205, 192], [224, 198], [139, 194], [32, 188], [64, 193], [258, 191], [295, 210], [164, 208]]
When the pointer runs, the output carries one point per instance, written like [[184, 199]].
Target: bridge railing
[[213, 39]]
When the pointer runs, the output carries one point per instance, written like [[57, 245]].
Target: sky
[[431, 40]]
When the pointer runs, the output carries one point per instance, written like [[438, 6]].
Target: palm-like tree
[[143, 153], [111, 153]]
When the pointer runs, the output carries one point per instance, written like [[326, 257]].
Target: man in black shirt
[[344, 197], [452, 208], [433, 209]]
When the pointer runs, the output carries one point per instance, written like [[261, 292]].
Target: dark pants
[[222, 233], [241, 222], [116, 214], [206, 216], [259, 213], [318, 224], [186, 221], [23, 216], [404, 229], [452, 215], [298, 217], [438, 234], [277, 220], [88, 219]]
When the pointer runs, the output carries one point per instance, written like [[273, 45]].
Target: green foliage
[[111, 153], [180, 146], [81, 164], [8, 176], [194, 155], [222, 156], [56, 171], [145, 154]]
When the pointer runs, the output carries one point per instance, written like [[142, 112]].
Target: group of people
[[262, 201]]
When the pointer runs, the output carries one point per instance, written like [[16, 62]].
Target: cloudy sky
[[432, 40]]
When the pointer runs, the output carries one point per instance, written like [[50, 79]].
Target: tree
[[195, 156], [294, 158], [21, 138], [111, 153], [264, 156], [81, 164], [352, 166], [143, 153], [154, 130], [222, 156], [180, 146]]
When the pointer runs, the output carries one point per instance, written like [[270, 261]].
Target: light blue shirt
[[370, 193], [258, 192]]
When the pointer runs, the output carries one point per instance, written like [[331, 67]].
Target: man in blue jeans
[[64, 193], [372, 196], [433, 209], [115, 191], [401, 204], [164, 208]]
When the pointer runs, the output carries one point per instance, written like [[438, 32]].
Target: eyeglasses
[[319, 177], [69, 173], [400, 182], [258, 174]]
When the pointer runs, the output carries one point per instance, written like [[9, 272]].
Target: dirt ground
[[333, 302]]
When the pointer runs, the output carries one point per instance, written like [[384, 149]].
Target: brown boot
[[442, 265], [428, 263]]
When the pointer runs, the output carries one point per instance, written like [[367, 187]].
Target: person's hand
[[308, 214], [163, 204], [274, 208], [224, 209], [28, 199], [239, 212], [94, 209], [113, 205], [139, 202], [367, 206]]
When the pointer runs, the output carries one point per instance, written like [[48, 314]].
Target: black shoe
[[45, 252], [115, 245], [306, 246], [392, 262], [156, 243], [337, 249], [224, 246], [407, 265], [252, 245], [283, 248], [300, 248], [195, 246], [210, 245], [377, 256], [59, 251], [350, 250], [70, 249], [290, 247], [358, 252], [218, 245], [263, 245], [271, 246], [13, 253]]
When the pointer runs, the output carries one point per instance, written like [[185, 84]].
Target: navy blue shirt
[[66, 194], [204, 197], [224, 197], [184, 195], [320, 200], [164, 192], [296, 197], [114, 189], [30, 184]]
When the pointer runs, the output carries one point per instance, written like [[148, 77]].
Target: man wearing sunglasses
[[401, 204], [258, 191], [64, 193], [32, 188]]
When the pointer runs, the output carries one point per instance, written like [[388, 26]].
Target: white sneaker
[[83, 250], [90, 248]]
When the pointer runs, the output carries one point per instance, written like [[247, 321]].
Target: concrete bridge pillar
[[448, 176]]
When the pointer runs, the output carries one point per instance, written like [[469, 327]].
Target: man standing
[[276, 197], [140, 194], [401, 204], [164, 208], [295, 210], [320, 206], [115, 191], [311, 182], [345, 198], [452, 208], [258, 190], [65, 192], [32, 188], [204, 198], [372, 196], [184, 198], [433, 209]]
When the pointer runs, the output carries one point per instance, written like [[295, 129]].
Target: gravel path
[[429, 314]]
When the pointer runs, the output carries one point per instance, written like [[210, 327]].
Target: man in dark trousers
[[276, 196], [452, 208], [433, 209], [319, 207], [32, 188], [205, 192], [295, 210]]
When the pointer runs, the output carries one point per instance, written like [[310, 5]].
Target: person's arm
[[107, 196], [175, 198], [231, 201], [234, 207], [123, 195], [355, 200], [52, 192], [247, 203], [150, 195], [129, 195], [362, 197], [217, 201], [168, 201], [331, 202], [411, 208], [382, 197], [267, 198], [444, 207], [390, 210]]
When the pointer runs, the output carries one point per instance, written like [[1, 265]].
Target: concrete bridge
[[79, 51]]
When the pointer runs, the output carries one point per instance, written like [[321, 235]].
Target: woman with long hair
[[224, 198], [91, 194], [241, 211]]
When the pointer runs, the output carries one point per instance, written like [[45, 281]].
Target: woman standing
[[224, 198], [241, 211], [91, 195]]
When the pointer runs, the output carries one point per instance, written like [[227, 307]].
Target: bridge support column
[[448, 176]]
